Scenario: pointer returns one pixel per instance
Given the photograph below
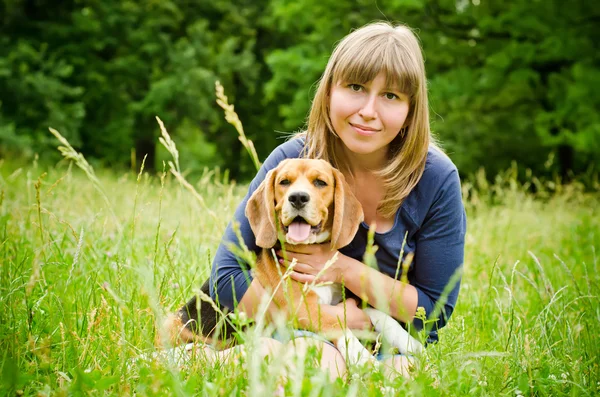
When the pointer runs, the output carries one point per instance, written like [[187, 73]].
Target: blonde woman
[[370, 119]]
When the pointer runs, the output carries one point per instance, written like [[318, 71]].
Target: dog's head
[[309, 201]]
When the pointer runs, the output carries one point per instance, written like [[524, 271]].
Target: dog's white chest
[[329, 294]]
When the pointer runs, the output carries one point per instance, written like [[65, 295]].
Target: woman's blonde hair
[[359, 58]]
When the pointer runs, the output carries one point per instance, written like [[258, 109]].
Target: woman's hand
[[351, 315], [311, 260]]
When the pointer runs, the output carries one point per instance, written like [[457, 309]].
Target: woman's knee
[[333, 359], [268, 346]]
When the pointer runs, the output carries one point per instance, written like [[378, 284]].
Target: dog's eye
[[319, 183], [284, 182]]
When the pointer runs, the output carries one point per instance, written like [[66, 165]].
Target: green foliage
[[196, 151], [507, 81], [575, 120], [100, 72], [35, 94], [513, 82]]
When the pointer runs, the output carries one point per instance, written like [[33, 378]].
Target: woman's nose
[[368, 111]]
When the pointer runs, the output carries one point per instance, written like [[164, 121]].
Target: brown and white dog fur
[[308, 202]]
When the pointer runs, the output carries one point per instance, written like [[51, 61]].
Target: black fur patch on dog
[[200, 318]]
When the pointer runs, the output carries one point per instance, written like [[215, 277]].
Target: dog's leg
[[393, 333], [353, 351]]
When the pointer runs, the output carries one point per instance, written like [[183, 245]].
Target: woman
[[369, 119]]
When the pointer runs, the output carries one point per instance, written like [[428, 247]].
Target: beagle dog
[[301, 201]]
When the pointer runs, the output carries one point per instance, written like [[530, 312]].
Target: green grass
[[83, 280]]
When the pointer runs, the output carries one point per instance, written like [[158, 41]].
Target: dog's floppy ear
[[260, 212], [347, 213]]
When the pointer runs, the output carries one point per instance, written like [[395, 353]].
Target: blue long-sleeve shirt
[[432, 218]]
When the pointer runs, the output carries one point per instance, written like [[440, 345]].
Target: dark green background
[[514, 80]]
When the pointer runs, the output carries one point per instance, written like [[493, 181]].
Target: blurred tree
[[35, 86], [508, 81], [99, 71], [512, 81]]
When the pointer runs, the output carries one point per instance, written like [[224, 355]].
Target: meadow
[[90, 262]]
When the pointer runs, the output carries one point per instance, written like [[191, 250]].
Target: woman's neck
[[363, 163]]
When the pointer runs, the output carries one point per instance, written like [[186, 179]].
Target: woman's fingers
[[298, 266], [290, 255], [300, 272], [301, 277], [288, 258], [288, 262], [351, 302]]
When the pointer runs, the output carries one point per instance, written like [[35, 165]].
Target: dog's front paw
[[353, 351]]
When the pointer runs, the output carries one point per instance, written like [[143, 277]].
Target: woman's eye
[[390, 95], [319, 183], [355, 87], [284, 182]]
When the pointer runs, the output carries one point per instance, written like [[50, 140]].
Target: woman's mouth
[[364, 130]]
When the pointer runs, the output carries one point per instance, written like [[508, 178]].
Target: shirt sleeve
[[230, 277], [439, 253]]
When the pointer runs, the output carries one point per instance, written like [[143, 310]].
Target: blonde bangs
[[362, 61]]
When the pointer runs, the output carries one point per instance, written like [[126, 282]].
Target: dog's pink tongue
[[298, 231]]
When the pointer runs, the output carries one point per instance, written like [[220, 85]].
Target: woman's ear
[[403, 131], [347, 213], [260, 211]]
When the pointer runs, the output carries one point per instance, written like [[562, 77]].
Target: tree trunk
[[566, 157], [145, 145]]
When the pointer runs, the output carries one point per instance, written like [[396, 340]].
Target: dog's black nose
[[298, 199]]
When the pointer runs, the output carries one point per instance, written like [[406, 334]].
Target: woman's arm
[[439, 252], [379, 290]]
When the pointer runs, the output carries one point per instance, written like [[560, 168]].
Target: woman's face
[[367, 117]]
